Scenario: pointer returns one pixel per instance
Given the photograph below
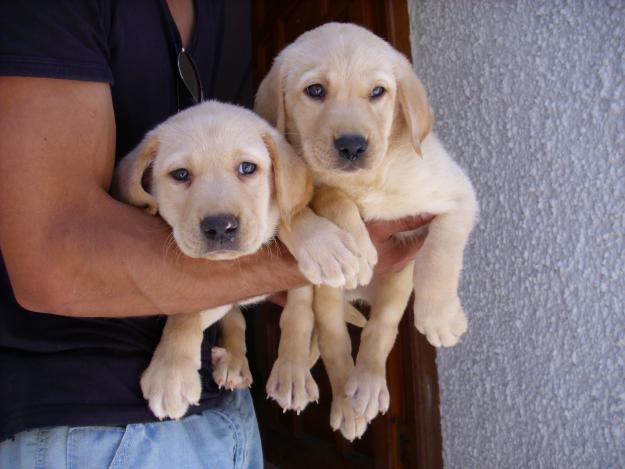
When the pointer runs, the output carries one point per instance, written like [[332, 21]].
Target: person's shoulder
[[59, 39]]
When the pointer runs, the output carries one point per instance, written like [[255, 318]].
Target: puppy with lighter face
[[223, 179], [354, 109]]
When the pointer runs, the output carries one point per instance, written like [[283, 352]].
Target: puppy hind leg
[[335, 347], [230, 367], [290, 383], [366, 385]]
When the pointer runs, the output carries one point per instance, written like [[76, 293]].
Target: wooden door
[[408, 436]]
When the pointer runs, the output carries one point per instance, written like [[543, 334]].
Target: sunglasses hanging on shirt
[[190, 77]]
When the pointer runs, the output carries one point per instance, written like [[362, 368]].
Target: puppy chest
[[389, 205]]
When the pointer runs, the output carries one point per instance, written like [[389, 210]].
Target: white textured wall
[[530, 97]]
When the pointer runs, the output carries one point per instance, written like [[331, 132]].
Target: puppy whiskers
[[170, 244]]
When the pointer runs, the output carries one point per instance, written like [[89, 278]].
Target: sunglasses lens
[[190, 76]]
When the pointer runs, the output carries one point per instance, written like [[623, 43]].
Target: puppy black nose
[[220, 228], [351, 147]]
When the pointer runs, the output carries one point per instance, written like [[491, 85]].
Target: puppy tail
[[314, 349], [353, 316]]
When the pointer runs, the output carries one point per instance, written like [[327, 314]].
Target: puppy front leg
[[334, 205], [335, 347], [437, 308], [230, 367], [366, 385], [290, 384], [171, 382], [326, 255]]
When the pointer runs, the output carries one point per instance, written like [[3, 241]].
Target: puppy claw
[[230, 371], [171, 385], [367, 392], [343, 418], [291, 385]]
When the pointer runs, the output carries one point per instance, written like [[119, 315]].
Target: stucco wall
[[530, 97]]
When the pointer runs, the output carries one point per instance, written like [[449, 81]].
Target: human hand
[[395, 253], [278, 298]]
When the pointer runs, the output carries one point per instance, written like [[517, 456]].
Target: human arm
[[69, 247], [394, 253]]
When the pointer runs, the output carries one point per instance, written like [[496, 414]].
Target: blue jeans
[[225, 436]]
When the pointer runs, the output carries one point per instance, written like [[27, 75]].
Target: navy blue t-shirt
[[75, 371]]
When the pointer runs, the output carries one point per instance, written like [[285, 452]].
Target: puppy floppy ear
[[292, 180], [413, 102], [269, 101], [133, 174]]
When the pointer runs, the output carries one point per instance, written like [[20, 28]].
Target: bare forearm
[[116, 261], [71, 249]]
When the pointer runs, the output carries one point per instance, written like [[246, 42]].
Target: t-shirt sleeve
[[55, 39]]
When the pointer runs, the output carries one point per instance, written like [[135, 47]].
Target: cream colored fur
[[406, 171], [210, 140]]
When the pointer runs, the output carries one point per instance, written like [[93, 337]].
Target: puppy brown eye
[[315, 91], [181, 175], [247, 168], [377, 92]]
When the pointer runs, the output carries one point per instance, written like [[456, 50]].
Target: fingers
[[398, 254], [386, 228], [278, 298], [410, 223]]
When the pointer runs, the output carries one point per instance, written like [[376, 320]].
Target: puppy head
[[220, 176], [341, 95]]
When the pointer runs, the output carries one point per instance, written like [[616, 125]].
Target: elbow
[[37, 298], [30, 301], [45, 267], [42, 293]]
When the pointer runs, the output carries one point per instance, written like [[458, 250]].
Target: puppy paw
[[367, 259], [443, 324], [343, 418], [230, 371], [368, 392], [291, 385], [171, 386], [328, 256]]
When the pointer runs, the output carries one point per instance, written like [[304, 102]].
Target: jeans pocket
[[94, 447]]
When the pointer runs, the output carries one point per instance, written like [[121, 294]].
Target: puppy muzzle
[[220, 231], [351, 147]]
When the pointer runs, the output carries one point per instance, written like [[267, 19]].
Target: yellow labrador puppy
[[222, 178], [354, 109]]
